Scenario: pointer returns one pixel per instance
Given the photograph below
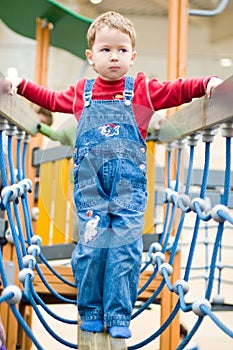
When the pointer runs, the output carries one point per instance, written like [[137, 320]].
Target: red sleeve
[[51, 100], [174, 93]]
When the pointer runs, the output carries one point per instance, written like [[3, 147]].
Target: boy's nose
[[114, 57]]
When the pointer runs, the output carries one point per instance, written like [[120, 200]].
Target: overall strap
[[87, 95], [128, 93]]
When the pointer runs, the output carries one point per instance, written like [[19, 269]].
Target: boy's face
[[112, 54]]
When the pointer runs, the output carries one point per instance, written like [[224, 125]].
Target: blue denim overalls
[[110, 195]]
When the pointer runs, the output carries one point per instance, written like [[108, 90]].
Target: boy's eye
[[105, 49], [123, 50]]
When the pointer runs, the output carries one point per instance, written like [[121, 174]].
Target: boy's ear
[[134, 55], [89, 57]]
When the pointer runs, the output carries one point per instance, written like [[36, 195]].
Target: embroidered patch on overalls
[[109, 129], [90, 229]]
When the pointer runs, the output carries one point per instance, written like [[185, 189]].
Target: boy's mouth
[[114, 68]]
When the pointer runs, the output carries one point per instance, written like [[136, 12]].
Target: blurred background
[[210, 52], [210, 41]]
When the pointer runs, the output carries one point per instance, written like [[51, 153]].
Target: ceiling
[[136, 7], [221, 29]]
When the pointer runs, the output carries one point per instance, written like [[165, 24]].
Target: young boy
[[110, 188]]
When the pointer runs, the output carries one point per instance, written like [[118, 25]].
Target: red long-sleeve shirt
[[149, 95]]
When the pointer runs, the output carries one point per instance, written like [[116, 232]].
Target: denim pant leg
[[88, 269], [122, 275], [88, 263]]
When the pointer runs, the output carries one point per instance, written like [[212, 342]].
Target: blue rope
[[213, 317], [206, 170], [52, 291], [181, 222], [16, 211], [159, 331], [15, 236], [186, 340], [25, 147], [24, 199], [2, 161], [47, 327], [6, 297], [179, 158], [225, 199], [217, 244], [172, 216], [2, 271], [11, 164], [149, 280], [227, 185], [149, 300], [183, 305], [25, 327], [190, 169], [169, 156], [18, 153], [50, 267], [50, 312], [194, 241], [168, 204], [146, 265], [197, 221]]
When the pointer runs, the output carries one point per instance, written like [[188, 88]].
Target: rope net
[[192, 225]]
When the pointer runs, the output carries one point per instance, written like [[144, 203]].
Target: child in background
[[110, 185], [2, 336], [65, 134], [183, 334]]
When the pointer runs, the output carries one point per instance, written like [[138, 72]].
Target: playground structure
[[186, 125], [61, 292]]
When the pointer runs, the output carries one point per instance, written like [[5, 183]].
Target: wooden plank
[[67, 273], [99, 341], [54, 282], [200, 114], [152, 286], [17, 111]]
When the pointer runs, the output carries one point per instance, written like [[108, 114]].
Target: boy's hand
[[158, 118], [155, 124], [5, 86], [212, 83], [15, 82], [10, 85]]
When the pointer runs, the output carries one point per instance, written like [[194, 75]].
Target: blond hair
[[111, 20]]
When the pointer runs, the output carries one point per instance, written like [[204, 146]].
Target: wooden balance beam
[[87, 340]]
